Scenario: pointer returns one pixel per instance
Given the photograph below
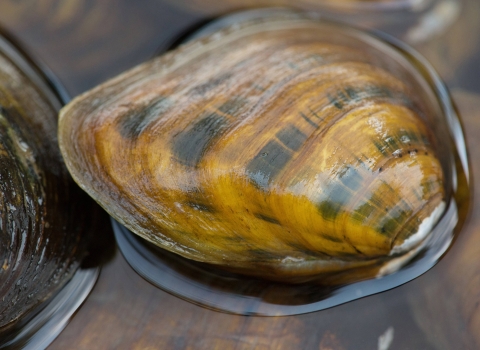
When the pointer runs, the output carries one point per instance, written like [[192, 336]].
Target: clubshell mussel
[[43, 224], [278, 147]]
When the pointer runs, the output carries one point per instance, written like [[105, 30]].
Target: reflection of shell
[[431, 26], [41, 243], [274, 147]]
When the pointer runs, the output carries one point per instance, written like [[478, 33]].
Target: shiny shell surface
[[41, 241], [279, 147]]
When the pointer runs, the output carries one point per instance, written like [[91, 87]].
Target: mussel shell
[[278, 146], [44, 217]]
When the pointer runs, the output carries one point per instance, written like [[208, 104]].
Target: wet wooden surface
[[85, 42]]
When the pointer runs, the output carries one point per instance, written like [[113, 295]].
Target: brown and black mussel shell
[[44, 217], [277, 147]]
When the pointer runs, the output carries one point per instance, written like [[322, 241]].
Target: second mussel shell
[[278, 146], [45, 219]]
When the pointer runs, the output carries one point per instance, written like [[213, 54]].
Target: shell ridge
[[413, 216]]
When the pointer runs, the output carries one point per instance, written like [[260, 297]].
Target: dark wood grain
[[126, 312], [86, 44]]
